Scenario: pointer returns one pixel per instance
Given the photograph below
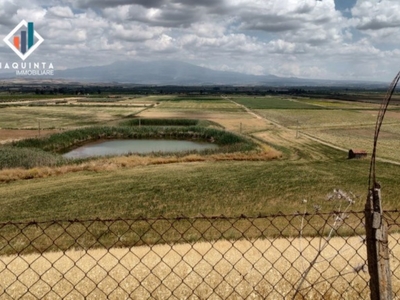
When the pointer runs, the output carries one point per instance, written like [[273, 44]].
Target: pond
[[121, 147]]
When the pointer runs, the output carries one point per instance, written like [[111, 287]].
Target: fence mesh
[[306, 256]]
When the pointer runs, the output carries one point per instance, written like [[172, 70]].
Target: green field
[[200, 98], [273, 103], [336, 104], [6, 97], [201, 105]]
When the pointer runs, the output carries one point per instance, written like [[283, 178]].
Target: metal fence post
[[377, 247]]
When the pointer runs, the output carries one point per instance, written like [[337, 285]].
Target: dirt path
[[300, 146], [246, 109]]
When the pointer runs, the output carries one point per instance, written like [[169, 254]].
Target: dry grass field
[[127, 100], [232, 121], [23, 117], [9, 135], [219, 105], [340, 124], [231, 116], [259, 269], [335, 104], [319, 118]]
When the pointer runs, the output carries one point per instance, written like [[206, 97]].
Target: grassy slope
[[230, 188]]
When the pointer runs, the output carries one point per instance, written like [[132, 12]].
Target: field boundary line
[[307, 135], [393, 162]]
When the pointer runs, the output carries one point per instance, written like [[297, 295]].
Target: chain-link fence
[[306, 256]]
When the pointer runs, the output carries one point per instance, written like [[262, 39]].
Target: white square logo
[[24, 45]]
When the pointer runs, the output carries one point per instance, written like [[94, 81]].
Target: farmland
[[56, 117], [293, 165], [274, 103], [277, 155], [339, 124]]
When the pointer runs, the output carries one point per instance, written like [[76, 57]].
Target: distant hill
[[160, 73], [180, 73]]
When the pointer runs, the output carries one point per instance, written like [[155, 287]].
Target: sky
[[322, 39]]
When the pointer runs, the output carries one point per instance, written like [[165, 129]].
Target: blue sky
[[329, 39], [345, 5]]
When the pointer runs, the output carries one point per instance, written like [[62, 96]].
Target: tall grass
[[28, 158], [38, 152], [60, 142]]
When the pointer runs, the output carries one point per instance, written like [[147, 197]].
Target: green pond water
[[121, 147]]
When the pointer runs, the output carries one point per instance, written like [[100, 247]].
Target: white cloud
[[284, 47], [36, 15], [376, 14], [61, 12], [135, 32], [305, 38], [208, 29], [163, 43], [378, 19]]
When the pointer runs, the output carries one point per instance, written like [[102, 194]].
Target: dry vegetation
[[263, 269], [110, 164], [25, 117], [10, 135], [319, 118], [218, 104], [226, 113], [340, 124]]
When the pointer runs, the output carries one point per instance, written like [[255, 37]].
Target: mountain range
[[161, 73], [181, 73]]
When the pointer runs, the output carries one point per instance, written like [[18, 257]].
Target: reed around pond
[[59, 142], [46, 152]]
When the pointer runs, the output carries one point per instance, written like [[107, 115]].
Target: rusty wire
[[379, 121]]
